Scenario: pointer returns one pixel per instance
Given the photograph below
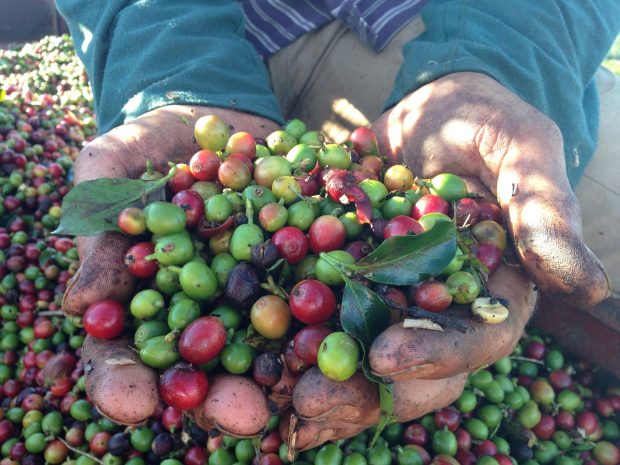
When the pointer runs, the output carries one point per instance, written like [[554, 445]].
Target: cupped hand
[[126, 391], [428, 368], [470, 125]]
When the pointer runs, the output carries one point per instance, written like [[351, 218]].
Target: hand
[[428, 368], [128, 393], [466, 124]]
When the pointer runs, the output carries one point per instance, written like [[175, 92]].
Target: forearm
[[545, 52], [145, 55]]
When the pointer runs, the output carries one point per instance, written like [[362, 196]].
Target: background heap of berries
[[537, 406]]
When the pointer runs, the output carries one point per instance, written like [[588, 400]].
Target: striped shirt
[[273, 24]]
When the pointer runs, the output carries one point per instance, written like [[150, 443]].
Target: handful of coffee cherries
[[265, 257]]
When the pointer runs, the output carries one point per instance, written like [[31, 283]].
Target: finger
[[309, 434], [163, 135], [281, 394], [544, 220], [414, 398], [319, 398], [119, 384], [402, 353], [468, 124], [121, 152], [235, 405], [102, 273]]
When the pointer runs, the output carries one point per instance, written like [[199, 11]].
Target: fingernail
[[602, 269]]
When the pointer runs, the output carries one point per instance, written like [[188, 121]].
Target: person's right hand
[[120, 385]]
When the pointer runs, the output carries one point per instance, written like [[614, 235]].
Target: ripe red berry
[[137, 263], [433, 296], [183, 387], [326, 233], [192, 203], [364, 142], [535, 349], [104, 319], [490, 256], [489, 211], [204, 165], [181, 179], [312, 302], [402, 226], [429, 203], [292, 244], [307, 342], [202, 340], [172, 419]]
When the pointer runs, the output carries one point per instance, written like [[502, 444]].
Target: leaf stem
[[249, 211], [172, 335]]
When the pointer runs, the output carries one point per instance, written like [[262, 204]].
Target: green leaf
[[46, 256], [580, 446], [92, 207], [386, 403], [364, 315], [405, 260]]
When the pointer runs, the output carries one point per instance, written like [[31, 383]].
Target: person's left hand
[[429, 368]]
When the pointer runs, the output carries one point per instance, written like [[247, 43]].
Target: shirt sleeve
[[547, 52], [144, 54]]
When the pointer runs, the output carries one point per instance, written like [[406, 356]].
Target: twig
[[442, 320], [292, 436], [51, 313], [81, 452], [526, 359]]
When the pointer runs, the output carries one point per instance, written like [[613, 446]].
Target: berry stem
[[172, 335], [249, 211], [274, 288]]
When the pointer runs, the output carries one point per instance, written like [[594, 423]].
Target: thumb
[[122, 387], [544, 220], [102, 273]]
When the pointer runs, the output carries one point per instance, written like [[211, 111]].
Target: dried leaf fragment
[[419, 323]]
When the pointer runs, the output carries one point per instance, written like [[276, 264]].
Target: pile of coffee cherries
[[538, 406]]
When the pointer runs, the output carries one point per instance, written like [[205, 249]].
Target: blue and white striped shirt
[[273, 24]]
